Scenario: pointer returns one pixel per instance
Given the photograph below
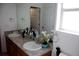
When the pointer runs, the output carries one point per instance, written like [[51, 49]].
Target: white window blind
[[70, 17]]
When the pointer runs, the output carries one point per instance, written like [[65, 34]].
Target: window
[[69, 19]]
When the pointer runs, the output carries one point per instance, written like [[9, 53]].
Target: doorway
[[35, 18]]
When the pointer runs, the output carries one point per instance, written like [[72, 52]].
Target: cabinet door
[[8, 46], [20, 52], [11, 48]]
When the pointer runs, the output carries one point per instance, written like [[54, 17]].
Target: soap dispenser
[[34, 34], [27, 30], [23, 34]]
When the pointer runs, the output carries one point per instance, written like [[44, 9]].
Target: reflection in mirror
[[35, 18], [39, 16]]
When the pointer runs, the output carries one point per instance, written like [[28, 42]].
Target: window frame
[[59, 25]]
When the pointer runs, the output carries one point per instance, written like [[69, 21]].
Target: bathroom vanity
[[15, 47]]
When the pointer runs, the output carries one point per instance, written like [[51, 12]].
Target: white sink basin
[[32, 46], [14, 35]]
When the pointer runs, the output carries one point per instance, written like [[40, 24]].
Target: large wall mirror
[[36, 15]]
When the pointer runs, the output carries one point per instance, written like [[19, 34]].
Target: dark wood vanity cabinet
[[14, 50], [11, 48], [0, 44], [21, 53]]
